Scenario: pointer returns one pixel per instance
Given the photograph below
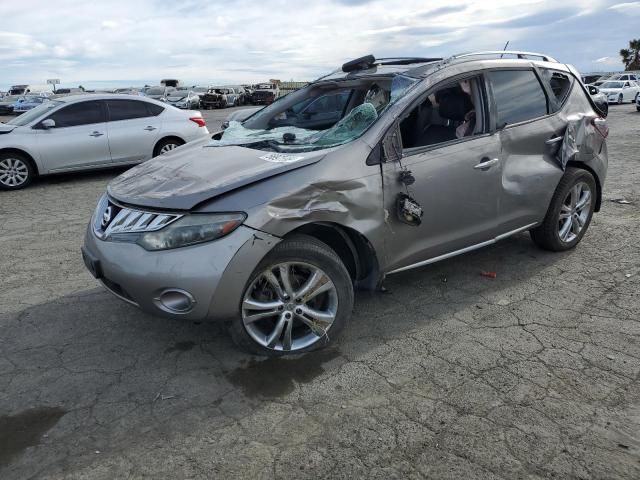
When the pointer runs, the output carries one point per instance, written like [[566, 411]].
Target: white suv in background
[[83, 132]]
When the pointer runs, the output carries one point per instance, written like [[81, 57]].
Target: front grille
[[111, 219]]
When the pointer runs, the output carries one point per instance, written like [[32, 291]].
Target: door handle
[[486, 163], [96, 134], [553, 140], [150, 128]]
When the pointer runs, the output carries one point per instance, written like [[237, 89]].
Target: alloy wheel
[[289, 306], [13, 172], [168, 147], [574, 212]]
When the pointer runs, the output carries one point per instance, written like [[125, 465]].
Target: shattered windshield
[[319, 116]]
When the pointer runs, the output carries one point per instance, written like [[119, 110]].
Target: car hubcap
[[13, 172], [289, 306], [168, 148], [574, 212]]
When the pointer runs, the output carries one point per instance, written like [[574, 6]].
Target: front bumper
[[214, 274]]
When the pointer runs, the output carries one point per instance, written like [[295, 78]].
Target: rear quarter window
[[560, 84], [518, 96], [153, 109]]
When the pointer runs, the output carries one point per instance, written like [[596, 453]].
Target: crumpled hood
[[6, 128], [192, 174]]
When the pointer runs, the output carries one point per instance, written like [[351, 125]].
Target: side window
[[153, 109], [560, 84], [452, 111], [328, 103], [83, 113], [126, 110], [518, 96]]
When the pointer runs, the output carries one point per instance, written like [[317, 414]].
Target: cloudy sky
[[208, 41]]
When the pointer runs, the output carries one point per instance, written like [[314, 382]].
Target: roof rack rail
[[405, 60], [502, 53]]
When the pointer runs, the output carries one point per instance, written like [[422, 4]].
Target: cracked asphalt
[[533, 374]]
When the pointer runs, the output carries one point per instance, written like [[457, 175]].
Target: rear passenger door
[[530, 132], [134, 128]]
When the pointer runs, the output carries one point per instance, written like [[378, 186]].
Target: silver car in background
[[184, 99], [384, 166], [83, 132]]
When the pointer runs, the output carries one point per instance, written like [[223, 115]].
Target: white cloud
[[109, 25], [608, 60], [629, 8], [215, 41]]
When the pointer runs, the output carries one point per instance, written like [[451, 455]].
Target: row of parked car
[[616, 88], [187, 98]]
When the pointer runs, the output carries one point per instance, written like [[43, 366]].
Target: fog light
[[174, 300]]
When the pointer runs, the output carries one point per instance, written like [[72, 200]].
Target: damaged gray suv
[[379, 167]]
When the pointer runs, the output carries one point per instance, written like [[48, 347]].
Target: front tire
[[16, 171], [620, 99], [569, 213], [298, 299]]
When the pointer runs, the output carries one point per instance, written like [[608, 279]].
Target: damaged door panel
[[458, 201]]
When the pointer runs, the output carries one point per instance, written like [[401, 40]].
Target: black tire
[[620, 99], [15, 167], [306, 249], [547, 235], [164, 143]]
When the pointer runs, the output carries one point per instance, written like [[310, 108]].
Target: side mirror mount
[[48, 123], [392, 144]]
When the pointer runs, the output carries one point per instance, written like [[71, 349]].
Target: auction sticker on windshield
[[281, 158]]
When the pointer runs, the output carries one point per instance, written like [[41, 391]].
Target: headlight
[[191, 230]]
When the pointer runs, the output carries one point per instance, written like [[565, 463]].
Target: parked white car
[[620, 91], [84, 132]]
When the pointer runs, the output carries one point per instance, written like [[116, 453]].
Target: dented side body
[[342, 187]]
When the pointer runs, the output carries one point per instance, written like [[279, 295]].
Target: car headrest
[[455, 106]]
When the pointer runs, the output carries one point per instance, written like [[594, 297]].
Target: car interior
[[320, 108], [446, 114]]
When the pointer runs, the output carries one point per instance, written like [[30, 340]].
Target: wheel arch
[[584, 166], [25, 154], [353, 248], [165, 138]]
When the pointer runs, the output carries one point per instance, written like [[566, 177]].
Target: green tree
[[631, 56]]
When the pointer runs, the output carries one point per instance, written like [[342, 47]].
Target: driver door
[[457, 185]]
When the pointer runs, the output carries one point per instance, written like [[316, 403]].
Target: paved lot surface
[[531, 375]]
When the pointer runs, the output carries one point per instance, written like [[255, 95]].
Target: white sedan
[[620, 91], [83, 132]]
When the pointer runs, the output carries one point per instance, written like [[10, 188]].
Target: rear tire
[[303, 294], [569, 213], [16, 171], [166, 145]]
